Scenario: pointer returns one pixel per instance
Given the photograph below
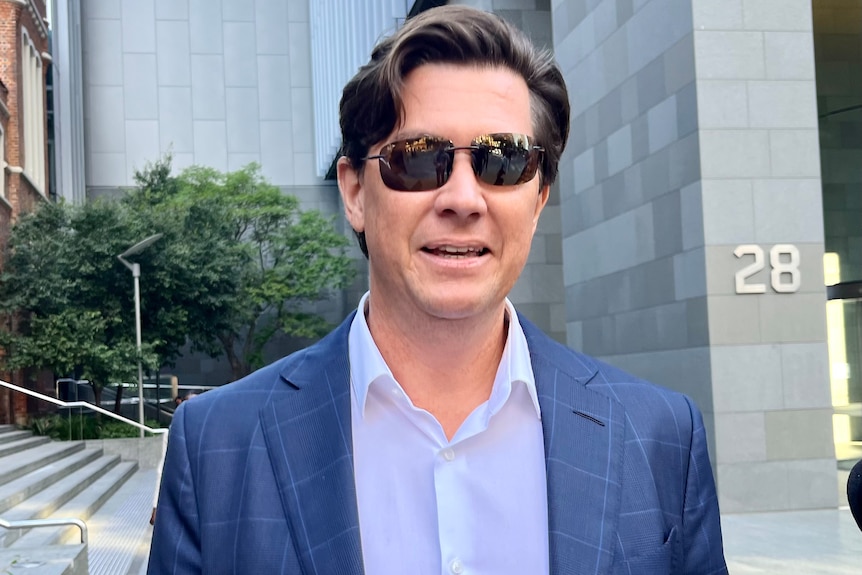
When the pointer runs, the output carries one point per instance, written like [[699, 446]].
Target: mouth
[[456, 252]]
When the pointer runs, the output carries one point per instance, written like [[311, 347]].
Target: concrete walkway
[[820, 542]]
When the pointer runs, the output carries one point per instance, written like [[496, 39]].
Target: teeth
[[458, 251]]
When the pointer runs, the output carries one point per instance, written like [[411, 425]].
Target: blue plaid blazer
[[259, 474]]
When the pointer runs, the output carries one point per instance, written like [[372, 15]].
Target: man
[[436, 430]]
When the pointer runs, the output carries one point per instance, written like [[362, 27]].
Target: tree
[[289, 259], [58, 299], [238, 263]]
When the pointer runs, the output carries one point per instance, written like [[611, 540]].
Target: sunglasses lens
[[505, 159], [416, 165], [425, 163]]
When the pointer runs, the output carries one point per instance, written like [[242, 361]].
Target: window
[[33, 105]]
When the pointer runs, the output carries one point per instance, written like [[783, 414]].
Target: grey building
[[710, 192]]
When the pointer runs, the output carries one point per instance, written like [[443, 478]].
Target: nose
[[462, 195]]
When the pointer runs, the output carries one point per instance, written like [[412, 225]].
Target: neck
[[445, 366]]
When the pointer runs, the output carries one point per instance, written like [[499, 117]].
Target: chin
[[456, 307]]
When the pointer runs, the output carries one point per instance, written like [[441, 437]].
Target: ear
[[541, 200], [350, 186]]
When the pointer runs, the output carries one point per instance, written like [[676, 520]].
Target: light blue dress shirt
[[474, 505]]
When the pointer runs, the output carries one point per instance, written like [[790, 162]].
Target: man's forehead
[[462, 95]]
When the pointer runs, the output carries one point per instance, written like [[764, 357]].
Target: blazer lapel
[[584, 433], [308, 436]]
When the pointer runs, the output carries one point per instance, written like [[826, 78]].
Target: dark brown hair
[[371, 104]]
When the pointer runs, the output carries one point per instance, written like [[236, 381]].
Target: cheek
[[388, 225]]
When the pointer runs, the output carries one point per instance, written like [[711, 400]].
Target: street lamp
[[136, 274]]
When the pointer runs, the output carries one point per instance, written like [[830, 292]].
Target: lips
[[458, 252]]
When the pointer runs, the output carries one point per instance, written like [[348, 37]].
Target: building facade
[[694, 175], [709, 193], [24, 59]]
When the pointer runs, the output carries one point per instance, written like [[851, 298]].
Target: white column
[[342, 36]]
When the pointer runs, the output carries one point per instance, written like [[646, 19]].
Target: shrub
[[75, 427]]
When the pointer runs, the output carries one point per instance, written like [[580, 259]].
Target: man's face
[[456, 251]]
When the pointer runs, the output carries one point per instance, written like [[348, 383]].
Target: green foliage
[[113, 429], [80, 426], [73, 340], [238, 263], [269, 258], [65, 302]]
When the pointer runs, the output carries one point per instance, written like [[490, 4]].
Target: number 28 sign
[[783, 264]]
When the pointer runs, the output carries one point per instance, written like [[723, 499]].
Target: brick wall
[[19, 196], [7, 53], [5, 206]]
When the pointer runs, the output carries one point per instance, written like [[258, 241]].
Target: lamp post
[[136, 274]]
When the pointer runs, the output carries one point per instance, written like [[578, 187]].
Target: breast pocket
[[659, 561]]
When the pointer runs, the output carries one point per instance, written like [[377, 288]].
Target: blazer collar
[[308, 435]]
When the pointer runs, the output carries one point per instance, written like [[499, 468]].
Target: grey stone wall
[[695, 132], [635, 287], [219, 82], [761, 186], [147, 451]]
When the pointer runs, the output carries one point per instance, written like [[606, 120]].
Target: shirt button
[[448, 455], [456, 567]]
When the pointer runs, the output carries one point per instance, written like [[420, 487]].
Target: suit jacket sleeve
[[176, 543], [702, 546]]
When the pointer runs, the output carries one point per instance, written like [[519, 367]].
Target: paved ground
[[820, 542]]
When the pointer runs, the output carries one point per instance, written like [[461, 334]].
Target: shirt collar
[[367, 364]]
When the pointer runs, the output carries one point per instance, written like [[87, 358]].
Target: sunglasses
[[425, 163]]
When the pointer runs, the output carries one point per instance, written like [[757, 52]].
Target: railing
[[95, 408], [30, 523]]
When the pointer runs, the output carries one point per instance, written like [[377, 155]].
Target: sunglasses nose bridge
[[469, 151], [464, 149], [462, 194]]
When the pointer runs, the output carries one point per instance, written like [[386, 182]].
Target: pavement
[[815, 542], [818, 542]]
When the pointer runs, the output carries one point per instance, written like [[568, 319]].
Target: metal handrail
[[30, 523], [95, 408]]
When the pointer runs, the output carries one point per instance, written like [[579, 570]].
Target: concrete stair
[[41, 479]]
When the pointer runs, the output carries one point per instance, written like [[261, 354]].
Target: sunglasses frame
[[532, 155]]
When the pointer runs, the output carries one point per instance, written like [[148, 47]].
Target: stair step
[[18, 490], [119, 531], [22, 445], [14, 435], [15, 465], [54, 560], [8, 427], [52, 498], [82, 506]]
